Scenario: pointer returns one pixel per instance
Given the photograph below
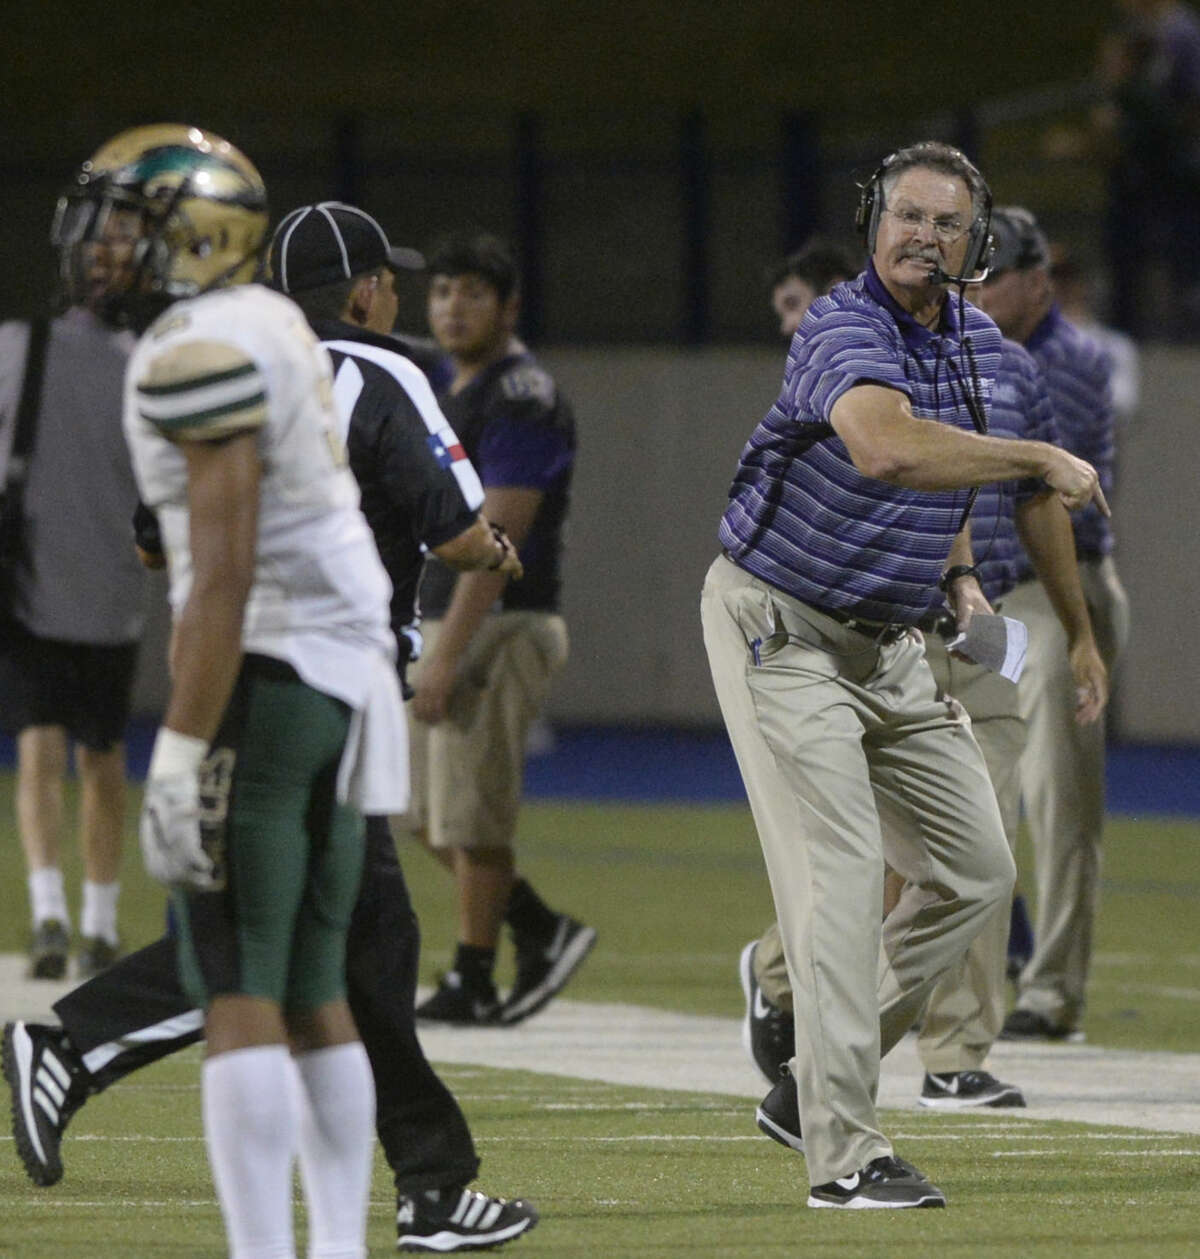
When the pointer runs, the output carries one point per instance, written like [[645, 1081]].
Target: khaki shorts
[[467, 771]]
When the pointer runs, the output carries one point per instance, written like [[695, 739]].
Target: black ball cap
[[1019, 243], [331, 241]]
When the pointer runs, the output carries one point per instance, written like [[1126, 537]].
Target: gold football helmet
[[157, 214]]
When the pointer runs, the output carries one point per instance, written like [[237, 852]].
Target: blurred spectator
[[72, 616], [803, 276], [1149, 121], [1075, 291]]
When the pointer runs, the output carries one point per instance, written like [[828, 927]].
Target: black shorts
[[46, 682]]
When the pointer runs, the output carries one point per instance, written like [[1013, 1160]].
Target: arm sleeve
[[417, 469], [841, 349], [520, 448]]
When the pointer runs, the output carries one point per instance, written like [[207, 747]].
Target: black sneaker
[[459, 1219], [768, 1033], [48, 1084], [543, 969], [778, 1115], [95, 955], [48, 950], [960, 1090], [453, 1003], [1028, 1025], [886, 1182]]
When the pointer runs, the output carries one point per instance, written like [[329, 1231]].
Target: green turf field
[[620, 1171]]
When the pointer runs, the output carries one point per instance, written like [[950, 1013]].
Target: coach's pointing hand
[[1076, 481]]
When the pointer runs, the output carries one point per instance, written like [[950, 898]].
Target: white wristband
[[176, 754]]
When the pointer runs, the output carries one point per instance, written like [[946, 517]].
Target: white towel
[[373, 775]]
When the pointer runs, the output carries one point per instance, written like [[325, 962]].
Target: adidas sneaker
[[48, 1084], [450, 1220]]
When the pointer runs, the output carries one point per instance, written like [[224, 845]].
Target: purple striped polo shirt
[[1021, 410], [1078, 375], [800, 515]]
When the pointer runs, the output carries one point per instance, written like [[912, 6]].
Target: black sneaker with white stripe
[[778, 1114], [449, 1220], [48, 1084], [768, 1033], [960, 1090], [886, 1182], [544, 966]]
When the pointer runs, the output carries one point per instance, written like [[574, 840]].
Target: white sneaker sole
[[771, 1129], [861, 1203], [1010, 1098]]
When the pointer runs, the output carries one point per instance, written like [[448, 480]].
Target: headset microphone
[[938, 276]]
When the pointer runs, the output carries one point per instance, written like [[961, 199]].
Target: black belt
[[880, 631], [940, 621]]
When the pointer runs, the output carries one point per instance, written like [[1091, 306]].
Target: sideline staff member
[[1062, 767], [847, 508]]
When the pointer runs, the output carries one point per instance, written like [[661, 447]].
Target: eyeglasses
[[946, 227]]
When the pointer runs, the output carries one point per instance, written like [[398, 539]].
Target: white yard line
[[627, 1044]]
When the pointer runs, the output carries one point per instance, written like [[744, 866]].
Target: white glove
[[172, 844]]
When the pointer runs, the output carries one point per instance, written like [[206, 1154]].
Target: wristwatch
[[953, 573]]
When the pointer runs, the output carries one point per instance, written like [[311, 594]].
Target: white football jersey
[[243, 360]]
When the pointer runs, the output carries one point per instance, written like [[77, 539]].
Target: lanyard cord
[[973, 398]]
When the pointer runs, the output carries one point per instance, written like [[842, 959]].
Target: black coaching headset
[[979, 238]]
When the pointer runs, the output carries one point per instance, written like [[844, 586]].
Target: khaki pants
[[966, 1011], [467, 771], [840, 743], [1062, 783]]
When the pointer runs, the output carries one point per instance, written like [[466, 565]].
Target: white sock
[[337, 1148], [99, 915], [251, 1126], [46, 896]]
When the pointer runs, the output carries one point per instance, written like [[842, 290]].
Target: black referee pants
[[135, 1013]]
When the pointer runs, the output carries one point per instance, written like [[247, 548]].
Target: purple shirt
[[800, 515], [1021, 410], [1077, 371]]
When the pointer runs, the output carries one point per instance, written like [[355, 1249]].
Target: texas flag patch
[[448, 452], [446, 447]]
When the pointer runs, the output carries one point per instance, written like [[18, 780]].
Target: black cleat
[[768, 1033], [48, 1084], [961, 1090], [48, 950], [444, 1222], [455, 1004], [886, 1182], [544, 968], [778, 1115]]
